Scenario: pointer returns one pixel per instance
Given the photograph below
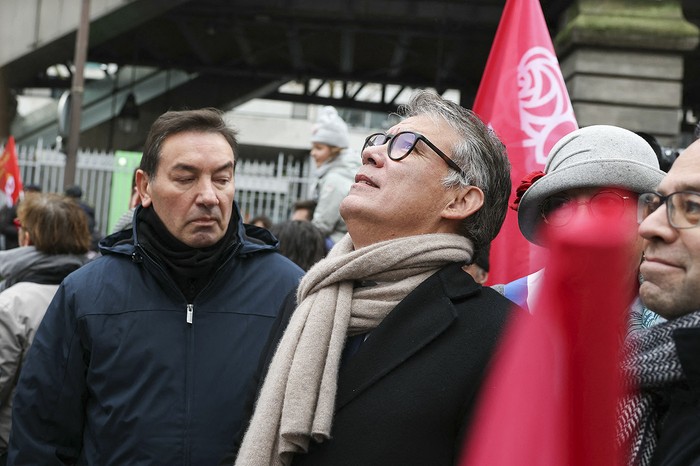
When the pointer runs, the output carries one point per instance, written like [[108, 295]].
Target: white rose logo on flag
[[546, 114], [9, 189]]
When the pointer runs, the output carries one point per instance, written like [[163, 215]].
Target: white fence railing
[[46, 168], [262, 187]]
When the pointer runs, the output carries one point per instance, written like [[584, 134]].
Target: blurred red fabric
[[551, 394]]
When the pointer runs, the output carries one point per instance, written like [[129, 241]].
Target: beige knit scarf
[[297, 400]]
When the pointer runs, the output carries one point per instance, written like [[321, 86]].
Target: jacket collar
[[417, 320], [346, 163], [26, 263], [252, 239]]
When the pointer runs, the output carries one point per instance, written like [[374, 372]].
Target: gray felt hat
[[594, 156]]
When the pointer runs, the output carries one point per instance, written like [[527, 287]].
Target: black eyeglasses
[[682, 208], [559, 210], [401, 144]]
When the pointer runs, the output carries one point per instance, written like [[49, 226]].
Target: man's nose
[[207, 193], [375, 155], [656, 225]]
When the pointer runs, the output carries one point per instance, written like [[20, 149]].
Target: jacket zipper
[[190, 313], [189, 384], [189, 319]]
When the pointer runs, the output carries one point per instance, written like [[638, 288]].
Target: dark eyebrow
[[688, 187], [185, 167], [226, 166], [194, 169], [680, 187]]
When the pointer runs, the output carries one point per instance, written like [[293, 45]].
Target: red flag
[[522, 96], [550, 398], [10, 179]]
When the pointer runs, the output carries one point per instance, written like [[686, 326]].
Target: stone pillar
[[623, 63]]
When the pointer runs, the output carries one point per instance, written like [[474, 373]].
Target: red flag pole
[[522, 96]]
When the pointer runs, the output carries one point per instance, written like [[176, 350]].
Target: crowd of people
[[357, 331]]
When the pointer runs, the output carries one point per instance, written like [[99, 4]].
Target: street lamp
[[128, 118]]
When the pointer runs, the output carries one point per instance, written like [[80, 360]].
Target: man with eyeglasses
[[384, 354], [599, 171], [661, 422]]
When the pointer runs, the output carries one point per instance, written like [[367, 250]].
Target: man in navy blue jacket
[[146, 354]]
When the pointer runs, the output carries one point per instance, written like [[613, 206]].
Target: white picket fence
[[262, 187]]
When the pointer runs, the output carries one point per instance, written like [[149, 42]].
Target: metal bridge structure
[[357, 54]]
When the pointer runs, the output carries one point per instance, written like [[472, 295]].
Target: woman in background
[[336, 168]]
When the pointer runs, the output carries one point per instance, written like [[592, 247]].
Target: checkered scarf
[[651, 367]]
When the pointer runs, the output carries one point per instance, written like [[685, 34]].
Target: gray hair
[[480, 154]]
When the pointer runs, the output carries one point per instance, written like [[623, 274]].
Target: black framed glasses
[[401, 144], [682, 208], [559, 210]]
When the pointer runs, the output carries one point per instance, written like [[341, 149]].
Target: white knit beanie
[[330, 129]]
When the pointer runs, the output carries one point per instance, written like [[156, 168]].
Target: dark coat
[[406, 396], [117, 375], [679, 440]]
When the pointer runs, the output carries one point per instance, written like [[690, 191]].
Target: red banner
[[522, 96], [10, 179]]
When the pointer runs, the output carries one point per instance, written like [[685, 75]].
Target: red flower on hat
[[527, 181]]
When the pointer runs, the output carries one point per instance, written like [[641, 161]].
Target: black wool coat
[[407, 395]]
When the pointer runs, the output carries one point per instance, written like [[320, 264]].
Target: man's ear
[[143, 186], [465, 202]]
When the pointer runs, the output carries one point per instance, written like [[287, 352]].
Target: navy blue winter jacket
[[118, 375]]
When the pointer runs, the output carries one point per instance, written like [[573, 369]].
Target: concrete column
[[623, 63]]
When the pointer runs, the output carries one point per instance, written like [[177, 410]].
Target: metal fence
[[45, 168], [271, 188], [262, 187]]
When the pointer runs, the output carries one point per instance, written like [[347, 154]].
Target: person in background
[[658, 420], [665, 155], [479, 267], [300, 241], [76, 192], [262, 221], [599, 168], [303, 210], [53, 242], [383, 357], [336, 166], [8, 214], [147, 354], [125, 222]]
